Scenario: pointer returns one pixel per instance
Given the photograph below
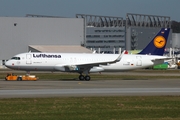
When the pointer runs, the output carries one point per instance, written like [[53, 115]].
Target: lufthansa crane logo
[[159, 41]]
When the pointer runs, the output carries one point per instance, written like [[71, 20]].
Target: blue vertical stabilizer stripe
[[151, 48]]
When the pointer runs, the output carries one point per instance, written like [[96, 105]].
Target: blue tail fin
[[158, 43]]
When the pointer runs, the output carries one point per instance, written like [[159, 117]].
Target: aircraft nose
[[7, 64]]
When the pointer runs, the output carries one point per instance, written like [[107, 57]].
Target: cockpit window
[[15, 58]]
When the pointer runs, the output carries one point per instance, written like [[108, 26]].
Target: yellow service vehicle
[[11, 76]]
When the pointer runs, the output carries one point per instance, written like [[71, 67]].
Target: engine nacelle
[[60, 68], [96, 69], [66, 68]]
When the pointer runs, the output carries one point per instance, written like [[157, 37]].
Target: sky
[[69, 8]]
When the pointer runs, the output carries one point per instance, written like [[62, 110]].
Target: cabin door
[[139, 61], [28, 59]]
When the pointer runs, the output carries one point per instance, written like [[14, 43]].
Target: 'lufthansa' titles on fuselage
[[46, 56]]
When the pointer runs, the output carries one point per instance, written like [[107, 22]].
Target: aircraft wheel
[[87, 78], [81, 77]]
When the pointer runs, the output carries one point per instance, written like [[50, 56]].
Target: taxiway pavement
[[20, 89]]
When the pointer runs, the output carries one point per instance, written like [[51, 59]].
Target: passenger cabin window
[[15, 58]]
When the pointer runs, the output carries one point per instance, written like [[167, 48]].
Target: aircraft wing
[[85, 65], [102, 63], [160, 60], [157, 59]]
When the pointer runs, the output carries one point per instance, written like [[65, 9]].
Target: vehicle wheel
[[19, 79], [81, 77], [87, 78]]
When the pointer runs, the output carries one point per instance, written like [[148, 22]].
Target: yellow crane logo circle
[[159, 41]]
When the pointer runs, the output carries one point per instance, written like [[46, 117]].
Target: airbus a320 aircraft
[[85, 63]]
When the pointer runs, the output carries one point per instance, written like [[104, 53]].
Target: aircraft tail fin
[[158, 43]]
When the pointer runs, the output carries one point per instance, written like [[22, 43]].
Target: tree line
[[175, 26]]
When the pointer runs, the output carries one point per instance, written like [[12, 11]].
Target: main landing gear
[[82, 77]]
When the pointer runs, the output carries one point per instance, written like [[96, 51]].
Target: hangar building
[[17, 33], [107, 34], [140, 30], [103, 33], [176, 40]]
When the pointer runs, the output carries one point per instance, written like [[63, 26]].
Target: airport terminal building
[[84, 33]]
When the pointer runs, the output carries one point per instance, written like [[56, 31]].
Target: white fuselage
[[70, 62], [132, 62]]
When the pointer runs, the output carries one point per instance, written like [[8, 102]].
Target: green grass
[[91, 108]]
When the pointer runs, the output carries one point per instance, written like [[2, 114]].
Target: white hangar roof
[[60, 49]]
